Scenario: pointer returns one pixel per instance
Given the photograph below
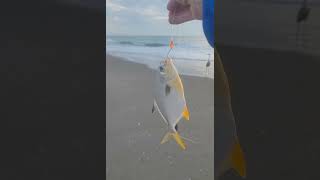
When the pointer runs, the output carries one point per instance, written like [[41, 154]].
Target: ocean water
[[190, 54]]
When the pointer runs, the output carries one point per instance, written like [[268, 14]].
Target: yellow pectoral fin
[[186, 113], [237, 160]]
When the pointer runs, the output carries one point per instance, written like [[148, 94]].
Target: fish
[[228, 153], [169, 99]]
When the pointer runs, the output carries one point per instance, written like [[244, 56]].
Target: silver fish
[[169, 99]]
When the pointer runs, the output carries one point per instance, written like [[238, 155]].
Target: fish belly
[[171, 105]]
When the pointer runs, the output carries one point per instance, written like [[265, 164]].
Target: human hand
[[181, 11]]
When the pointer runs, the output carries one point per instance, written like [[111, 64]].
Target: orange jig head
[[171, 44]]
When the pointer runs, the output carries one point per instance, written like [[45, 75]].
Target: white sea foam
[[190, 53]]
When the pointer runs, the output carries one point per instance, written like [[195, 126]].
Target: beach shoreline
[[209, 76], [189, 58], [134, 133]]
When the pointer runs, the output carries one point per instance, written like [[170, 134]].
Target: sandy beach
[[134, 133]]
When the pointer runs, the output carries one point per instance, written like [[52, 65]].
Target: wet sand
[[134, 133]]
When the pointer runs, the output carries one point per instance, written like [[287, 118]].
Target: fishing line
[[171, 44]]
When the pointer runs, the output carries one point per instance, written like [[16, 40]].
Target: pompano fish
[[169, 99], [228, 153]]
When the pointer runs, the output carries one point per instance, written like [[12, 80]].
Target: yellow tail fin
[[186, 113], [237, 160], [176, 137], [165, 138]]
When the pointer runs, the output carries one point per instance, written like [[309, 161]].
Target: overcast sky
[[145, 17]]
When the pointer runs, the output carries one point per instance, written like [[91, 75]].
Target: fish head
[[167, 69]]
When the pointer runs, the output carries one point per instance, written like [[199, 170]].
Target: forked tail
[[176, 137]]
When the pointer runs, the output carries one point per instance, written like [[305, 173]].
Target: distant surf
[[126, 42], [190, 54], [145, 44], [154, 44]]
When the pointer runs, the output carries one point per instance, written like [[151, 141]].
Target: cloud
[[160, 17], [143, 17], [148, 11], [144, 10], [115, 7], [152, 13], [116, 19]]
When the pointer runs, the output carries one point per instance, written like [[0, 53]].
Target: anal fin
[[185, 113]]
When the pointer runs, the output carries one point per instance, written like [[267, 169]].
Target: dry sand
[[134, 133]]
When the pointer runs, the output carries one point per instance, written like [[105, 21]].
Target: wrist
[[196, 9]]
